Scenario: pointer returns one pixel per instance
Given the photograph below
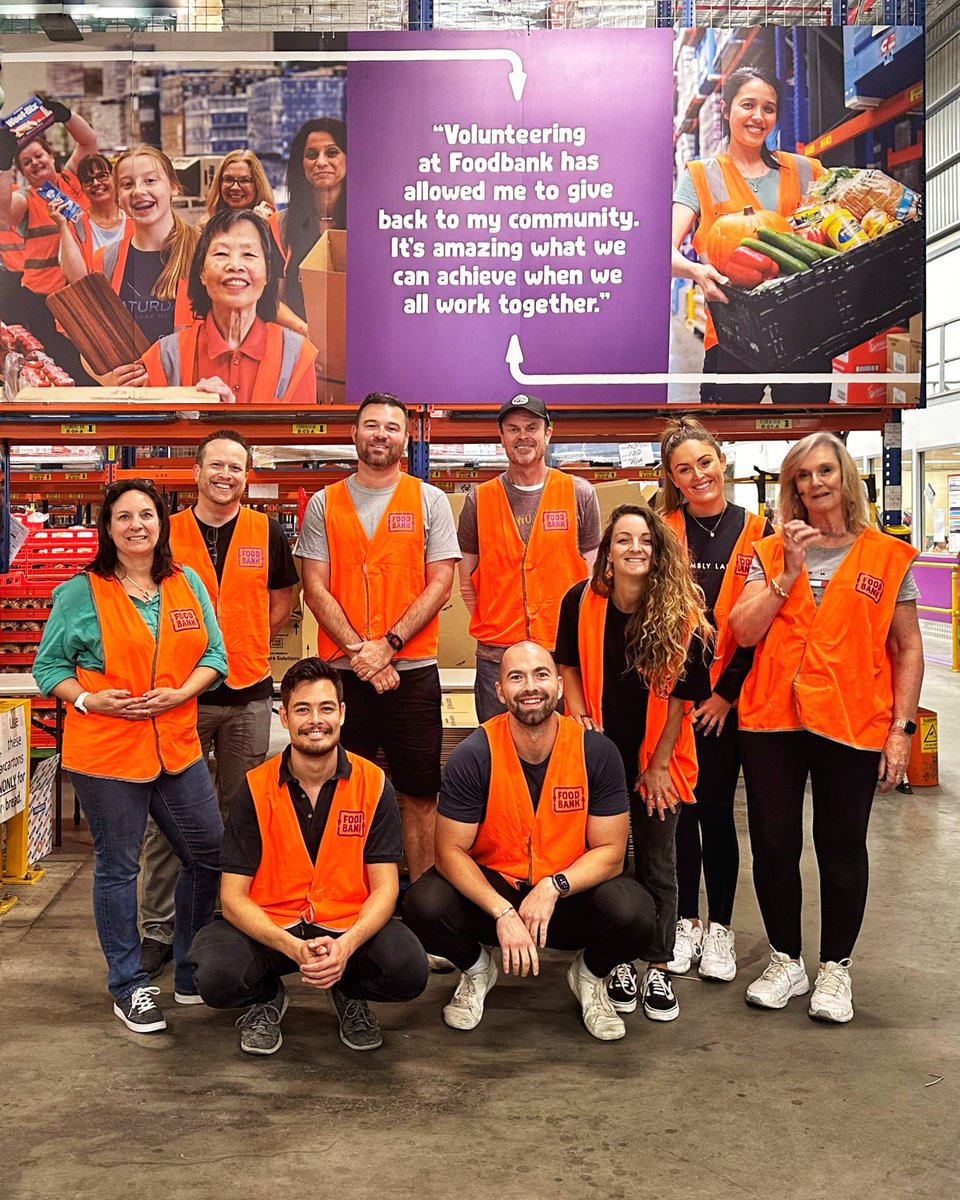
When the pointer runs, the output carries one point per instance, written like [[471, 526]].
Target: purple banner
[[502, 244]]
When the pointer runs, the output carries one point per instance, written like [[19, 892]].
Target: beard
[[379, 457], [533, 716]]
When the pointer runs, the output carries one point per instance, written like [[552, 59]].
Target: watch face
[[562, 882]]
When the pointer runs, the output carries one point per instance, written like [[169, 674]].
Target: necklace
[[706, 528], [143, 593]]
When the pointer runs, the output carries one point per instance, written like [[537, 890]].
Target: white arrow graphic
[[514, 359], [517, 76]]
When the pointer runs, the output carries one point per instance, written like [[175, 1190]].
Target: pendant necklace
[[706, 529], [145, 593]]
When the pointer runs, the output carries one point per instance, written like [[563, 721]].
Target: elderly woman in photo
[[236, 349], [830, 604]]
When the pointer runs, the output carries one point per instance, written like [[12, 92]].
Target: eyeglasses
[[210, 534], [245, 181], [100, 177]]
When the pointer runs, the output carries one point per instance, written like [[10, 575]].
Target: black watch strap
[[394, 640]]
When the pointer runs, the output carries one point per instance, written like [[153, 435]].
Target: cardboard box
[[457, 647], [458, 710], [858, 393], [286, 647], [323, 276], [904, 357], [915, 329], [868, 356], [622, 491], [903, 354]]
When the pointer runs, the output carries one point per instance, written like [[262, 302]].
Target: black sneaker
[[154, 956], [622, 987], [139, 1012], [359, 1028], [659, 1002], [260, 1024]]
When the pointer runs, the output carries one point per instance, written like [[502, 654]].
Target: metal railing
[[953, 611]]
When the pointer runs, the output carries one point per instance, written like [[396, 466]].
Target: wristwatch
[[394, 641], [908, 727], [79, 704], [561, 883]]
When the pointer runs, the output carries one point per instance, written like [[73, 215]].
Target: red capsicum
[[813, 233], [747, 268]]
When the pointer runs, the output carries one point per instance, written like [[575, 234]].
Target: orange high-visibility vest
[[590, 634], [12, 249], [172, 362], [111, 747], [519, 844], [111, 260], [721, 189], [375, 581], [827, 668], [734, 577], [241, 598], [41, 257], [519, 587], [287, 885]]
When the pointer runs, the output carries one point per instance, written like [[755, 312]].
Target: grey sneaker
[[139, 1012], [260, 1024], [359, 1028]]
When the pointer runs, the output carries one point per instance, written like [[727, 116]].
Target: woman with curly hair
[[632, 648]]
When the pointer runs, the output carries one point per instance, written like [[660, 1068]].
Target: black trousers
[[612, 923], [707, 832], [843, 781], [234, 970]]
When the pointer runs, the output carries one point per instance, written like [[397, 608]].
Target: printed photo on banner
[[606, 217]]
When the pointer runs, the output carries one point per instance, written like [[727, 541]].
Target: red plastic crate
[[62, 549]]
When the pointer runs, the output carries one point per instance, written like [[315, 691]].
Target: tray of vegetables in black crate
[[838, 272]]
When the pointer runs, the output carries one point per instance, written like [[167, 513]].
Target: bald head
[[529, 684]]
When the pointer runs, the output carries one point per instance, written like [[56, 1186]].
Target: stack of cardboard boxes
[[904, 356]]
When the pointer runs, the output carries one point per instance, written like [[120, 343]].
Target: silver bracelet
[[508, 909]]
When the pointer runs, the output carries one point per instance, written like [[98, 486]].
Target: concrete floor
[[726, 1102]]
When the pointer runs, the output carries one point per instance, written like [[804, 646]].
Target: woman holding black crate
[[746, 174]]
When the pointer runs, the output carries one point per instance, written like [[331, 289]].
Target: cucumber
[[790, 243], [788, 264]]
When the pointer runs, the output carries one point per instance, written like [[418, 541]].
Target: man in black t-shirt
[[310, 880], [247, 565], [531, 834]]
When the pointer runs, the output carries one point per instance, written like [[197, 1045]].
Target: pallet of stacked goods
[[279, 106]]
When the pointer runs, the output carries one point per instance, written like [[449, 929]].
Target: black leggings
[[843, 781], [707, 832]]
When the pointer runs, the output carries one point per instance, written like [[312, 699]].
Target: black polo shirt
[[242, 846]]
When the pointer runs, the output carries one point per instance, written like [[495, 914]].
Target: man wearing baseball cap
[[526, 537]]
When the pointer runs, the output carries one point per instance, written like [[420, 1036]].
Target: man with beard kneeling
[[310, 880], [531, 833]]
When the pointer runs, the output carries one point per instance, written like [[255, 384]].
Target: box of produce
[[815, 307]]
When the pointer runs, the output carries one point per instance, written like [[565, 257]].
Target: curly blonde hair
[[671, 610]]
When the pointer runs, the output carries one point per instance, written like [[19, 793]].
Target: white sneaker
[[465, 1009], [782, 979], [832, 998], [718, 961], [686, 948], [598, 1013]]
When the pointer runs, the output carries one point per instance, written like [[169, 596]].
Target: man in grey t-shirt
[[505, 596], [378, 553]]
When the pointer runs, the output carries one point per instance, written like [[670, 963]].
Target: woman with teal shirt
[[129, 645]]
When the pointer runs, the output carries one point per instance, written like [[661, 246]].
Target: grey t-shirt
[[768, 191], [822, 564], [524, 502], [440, 535]]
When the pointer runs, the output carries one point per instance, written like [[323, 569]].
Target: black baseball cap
[[524, 403]]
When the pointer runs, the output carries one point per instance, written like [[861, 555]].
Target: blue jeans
[[185, 808]]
